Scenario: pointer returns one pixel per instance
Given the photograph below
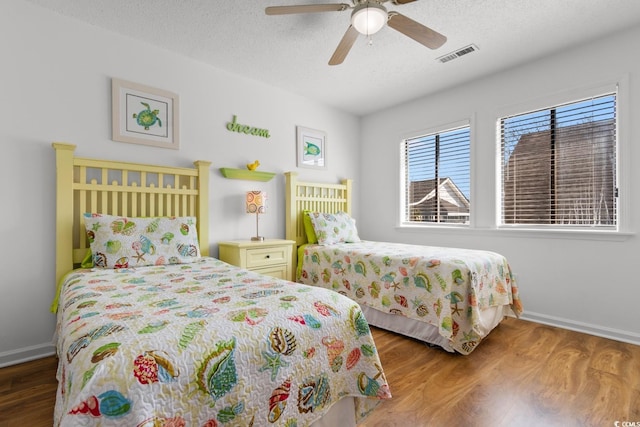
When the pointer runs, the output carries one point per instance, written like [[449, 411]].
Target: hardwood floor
[[523, 374], [28, 393]]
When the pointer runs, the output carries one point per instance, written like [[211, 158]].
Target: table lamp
[[257, 204]]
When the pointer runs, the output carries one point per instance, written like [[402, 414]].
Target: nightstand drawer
[[273, 257], [260, 257], [280, 271]]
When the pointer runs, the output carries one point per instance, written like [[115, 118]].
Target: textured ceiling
[[292, 51]]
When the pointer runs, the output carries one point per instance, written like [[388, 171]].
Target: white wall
[[56, 86], [582, 283]]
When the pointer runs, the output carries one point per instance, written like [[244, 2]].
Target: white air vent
[[458, 53]]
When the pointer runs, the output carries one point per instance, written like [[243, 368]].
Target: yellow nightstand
[[273, 257]]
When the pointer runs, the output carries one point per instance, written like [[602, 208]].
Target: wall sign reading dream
[[234, 126]]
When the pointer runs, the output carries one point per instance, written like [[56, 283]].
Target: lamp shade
[[256, 202], [368, 18]]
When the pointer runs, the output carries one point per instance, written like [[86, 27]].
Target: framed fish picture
[[144, 115], [311, 148]]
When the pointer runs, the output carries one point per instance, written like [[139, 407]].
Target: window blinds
[[559, 165], [437, 177]]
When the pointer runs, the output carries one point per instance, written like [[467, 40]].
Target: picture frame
[[311, 148], [144, 115]]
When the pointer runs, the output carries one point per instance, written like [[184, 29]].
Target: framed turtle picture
[[144, 115], [311, 148]]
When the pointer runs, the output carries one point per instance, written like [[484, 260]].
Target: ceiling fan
[[367, 18]]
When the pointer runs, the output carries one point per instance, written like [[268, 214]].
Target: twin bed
[[151, 331], [447, 297]]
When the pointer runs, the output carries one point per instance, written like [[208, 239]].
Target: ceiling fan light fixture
[[368, 18]]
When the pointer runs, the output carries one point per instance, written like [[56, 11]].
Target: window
[[558, 166], [436, 177]]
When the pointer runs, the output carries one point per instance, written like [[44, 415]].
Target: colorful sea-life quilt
[[445, 287], [208, 344]]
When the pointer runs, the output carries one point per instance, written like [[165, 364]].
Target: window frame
[[622, 227], [432, 130]]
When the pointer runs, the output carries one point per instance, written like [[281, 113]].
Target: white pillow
[[334, 228]]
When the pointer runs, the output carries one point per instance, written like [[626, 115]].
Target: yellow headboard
[[126, 189], [315, 197]]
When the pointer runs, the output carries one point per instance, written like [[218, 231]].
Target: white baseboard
[[26, 354], [599, 331]]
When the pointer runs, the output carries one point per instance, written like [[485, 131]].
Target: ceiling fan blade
[[402, 1], [410, 28], [344, 46], [307, 8]]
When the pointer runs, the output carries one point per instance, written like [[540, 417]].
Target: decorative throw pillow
[[334, 228], [122, 242], [308, 228]]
